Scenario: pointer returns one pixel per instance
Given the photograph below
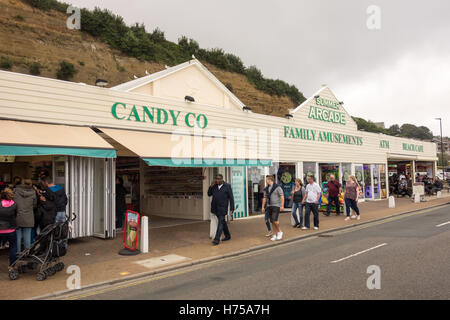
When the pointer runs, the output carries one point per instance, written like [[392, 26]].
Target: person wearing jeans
[[311, 201], [60, 197], [352, 191], [26, 200], [8, 214], [334, 190], [297, 196]]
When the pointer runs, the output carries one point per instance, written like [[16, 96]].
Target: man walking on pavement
[[222, 195], [334, 190], [274, 196], [312, 196]]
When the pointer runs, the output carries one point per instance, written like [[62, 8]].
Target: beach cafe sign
[[324, 114], [146, 114]]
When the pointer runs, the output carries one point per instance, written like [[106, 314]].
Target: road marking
[[168, 274], [443, 224], [358, 253]]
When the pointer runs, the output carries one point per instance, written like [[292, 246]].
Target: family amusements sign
[[321, 136]]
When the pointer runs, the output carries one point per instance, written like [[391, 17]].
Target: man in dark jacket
[[60, 198], [222, 195]]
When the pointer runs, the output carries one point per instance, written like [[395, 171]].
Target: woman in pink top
[[8, 214], [352, 191]]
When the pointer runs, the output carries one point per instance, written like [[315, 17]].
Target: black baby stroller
[[48, 247]]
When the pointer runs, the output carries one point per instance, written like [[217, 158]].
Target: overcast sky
[[399, 73]]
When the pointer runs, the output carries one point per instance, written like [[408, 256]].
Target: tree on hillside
[[411, 131]]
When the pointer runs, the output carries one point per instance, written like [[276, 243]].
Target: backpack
[[59, 248], [269, 193]]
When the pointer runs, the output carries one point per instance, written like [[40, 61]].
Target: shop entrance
[[255, 189], [168, 195], [127, 170], [87, 182], [325, 170]]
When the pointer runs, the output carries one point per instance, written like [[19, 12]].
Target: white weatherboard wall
[[25, 97]]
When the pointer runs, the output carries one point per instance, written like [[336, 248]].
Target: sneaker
[[273, 238], [305, 228], [353, 217], [295, 225], [299, 226], [279, 235], [269, 234], [316, 228], [358, 218], [347, 218]]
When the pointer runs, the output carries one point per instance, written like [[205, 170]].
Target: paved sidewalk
[[99, 261]]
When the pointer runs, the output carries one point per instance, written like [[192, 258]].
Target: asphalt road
[[412, 252]]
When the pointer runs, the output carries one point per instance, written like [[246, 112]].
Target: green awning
[[189, 162], [11, 150]]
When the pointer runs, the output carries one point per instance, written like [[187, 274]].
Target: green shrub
[[5, 63], [35, 68], [66, 70], [81, 63], [229, 86], [135, 41], [48, 4]]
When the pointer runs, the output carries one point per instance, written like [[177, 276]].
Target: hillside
[[30, 36]]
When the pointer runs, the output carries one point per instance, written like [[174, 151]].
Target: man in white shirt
[[311, 201]]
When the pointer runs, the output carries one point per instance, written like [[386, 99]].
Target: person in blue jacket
[[222, 195]]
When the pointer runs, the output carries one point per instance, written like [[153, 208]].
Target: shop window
[[376, 181], [367, 182], [309, 169], [285, 178], [346, 172], [383, 185], [359, 174]]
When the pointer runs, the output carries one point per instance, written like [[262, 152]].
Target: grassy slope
[[43, 37]]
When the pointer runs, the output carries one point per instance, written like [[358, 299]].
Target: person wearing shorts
[[274, 198]]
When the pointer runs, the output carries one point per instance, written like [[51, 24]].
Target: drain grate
[[325, 235]]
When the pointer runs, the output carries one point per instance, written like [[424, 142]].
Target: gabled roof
[[309, 99], [136, 83], [317, 93]]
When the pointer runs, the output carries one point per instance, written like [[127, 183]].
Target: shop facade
[[168, 148]]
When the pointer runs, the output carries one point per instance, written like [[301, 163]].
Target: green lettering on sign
[[327, 103], [326, 115], [156, 115], [412, 147], [322, 136], [114, 109], [384, 144]]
